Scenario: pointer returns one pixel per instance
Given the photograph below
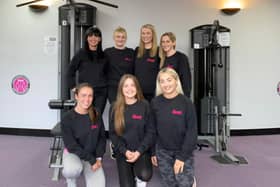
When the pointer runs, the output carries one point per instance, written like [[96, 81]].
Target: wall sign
[[20, 84]]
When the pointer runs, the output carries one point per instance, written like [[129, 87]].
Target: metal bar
[[27, 3], [105, 3], [217, 145]]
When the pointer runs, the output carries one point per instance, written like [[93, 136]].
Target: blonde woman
[[120, 62], [176, 129], [147, 61], [132, 133], [169, 57]]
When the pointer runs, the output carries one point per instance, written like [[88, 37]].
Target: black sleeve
[[117, 141], [107, 63], [133, 61], [71, 143], [135, 58], [71, 71], [184, 72], [101, 144], [150, 132], [190, 139], [153, 121]]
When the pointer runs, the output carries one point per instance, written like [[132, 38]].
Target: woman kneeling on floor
[[84, 139]]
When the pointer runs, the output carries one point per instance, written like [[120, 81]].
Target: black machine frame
[[211, 52]]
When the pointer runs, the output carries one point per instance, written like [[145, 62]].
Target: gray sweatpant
[[73, 167], [166, 160]]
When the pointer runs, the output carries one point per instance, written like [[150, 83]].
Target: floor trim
[[30, 132], [47, 133], [252, 132], [26, 132]]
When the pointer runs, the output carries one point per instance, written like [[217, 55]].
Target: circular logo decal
[[20, 84]]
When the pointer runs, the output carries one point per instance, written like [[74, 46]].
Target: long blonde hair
[[141, 49], [119, 105], [162, 54], [173, 74], [93, 115]]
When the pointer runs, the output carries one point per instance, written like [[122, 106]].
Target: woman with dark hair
[[146, 64], [176, 127], [176, 60], [131, 133], [84, 139], [90, 63]]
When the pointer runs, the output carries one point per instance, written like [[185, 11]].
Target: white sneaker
[[140, 183]]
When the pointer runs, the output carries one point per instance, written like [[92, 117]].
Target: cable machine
[[211, 50], [74, 20]]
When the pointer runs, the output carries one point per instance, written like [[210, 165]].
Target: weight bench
[[57, 146]]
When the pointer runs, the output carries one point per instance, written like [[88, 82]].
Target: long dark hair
[[93, 114], [94, 31]]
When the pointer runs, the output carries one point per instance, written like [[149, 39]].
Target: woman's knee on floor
[[72, 166], [72, 171]]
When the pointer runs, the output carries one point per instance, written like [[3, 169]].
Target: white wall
[[254, 53]]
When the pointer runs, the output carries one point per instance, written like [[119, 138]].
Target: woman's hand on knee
[[178, 166], [97, 165], [154, 161]]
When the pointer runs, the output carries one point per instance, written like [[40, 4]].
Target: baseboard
[[252, 132], [25, 132], [30, 132], [47, 133]]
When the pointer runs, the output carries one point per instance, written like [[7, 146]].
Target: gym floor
[[24, 163]]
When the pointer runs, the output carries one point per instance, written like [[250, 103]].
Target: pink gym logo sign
[[20, 84]]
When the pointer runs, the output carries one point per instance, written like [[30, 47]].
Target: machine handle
[[61, 104]]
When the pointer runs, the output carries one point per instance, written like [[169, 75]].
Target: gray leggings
[[72, 168], [166, 160]]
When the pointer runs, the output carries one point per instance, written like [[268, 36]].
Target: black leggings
[[100, 98], [142, 169], [112, 93]]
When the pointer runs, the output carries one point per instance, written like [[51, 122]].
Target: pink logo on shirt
[[170, 66], [94, 126], [135, 116], [127, 59], [177, 112], [151, 60]]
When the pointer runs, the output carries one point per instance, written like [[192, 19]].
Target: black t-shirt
[[146, 69], [175, 121], [180, 63], [82, 137], [120, 62], [91, 68], [139, 132]]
